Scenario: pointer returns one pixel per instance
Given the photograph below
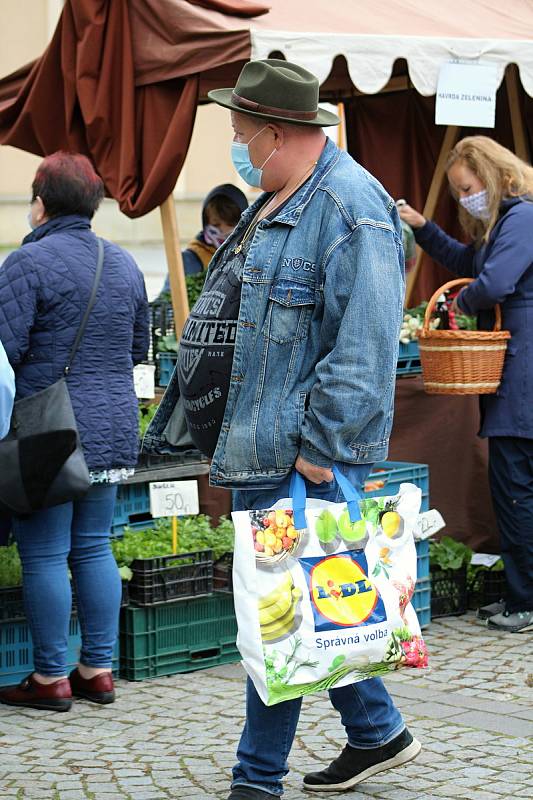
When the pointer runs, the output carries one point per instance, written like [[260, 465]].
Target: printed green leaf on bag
[[326, 527]]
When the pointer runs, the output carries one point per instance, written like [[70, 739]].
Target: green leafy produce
[[146, 415], [326, 527], [195, 284], [10, 566], [466, 323], [167, 344], [194, 533], [449, 554]]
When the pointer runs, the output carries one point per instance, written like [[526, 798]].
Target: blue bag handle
[[299, 497]]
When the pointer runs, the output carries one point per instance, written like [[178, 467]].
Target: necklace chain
[[261, 212]]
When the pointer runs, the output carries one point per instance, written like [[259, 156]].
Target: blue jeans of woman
[[367, 712], [74, 535]]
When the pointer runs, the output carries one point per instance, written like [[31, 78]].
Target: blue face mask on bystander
[[240, 155]]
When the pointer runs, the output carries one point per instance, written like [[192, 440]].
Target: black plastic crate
[[449, 596], [12, 602], [486, 586], [173, 577], [223, 573]]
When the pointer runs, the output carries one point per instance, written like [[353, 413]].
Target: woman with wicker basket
[[494, 191]]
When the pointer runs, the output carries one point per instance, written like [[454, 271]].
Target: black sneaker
[[486, 612], [356, 764], [249, 793]]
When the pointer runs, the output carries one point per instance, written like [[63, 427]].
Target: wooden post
[[176, 274], [521, 145], [450, 138]]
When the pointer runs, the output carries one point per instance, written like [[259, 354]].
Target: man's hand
[[312, 472]]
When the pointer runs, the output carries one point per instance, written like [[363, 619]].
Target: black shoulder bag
[[41, 460]]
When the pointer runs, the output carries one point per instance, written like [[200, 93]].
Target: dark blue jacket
[[44, 290], [503, 272]]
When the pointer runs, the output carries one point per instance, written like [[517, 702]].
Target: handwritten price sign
[[174, 498]]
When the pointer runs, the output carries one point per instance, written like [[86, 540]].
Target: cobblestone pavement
[[175, 737]]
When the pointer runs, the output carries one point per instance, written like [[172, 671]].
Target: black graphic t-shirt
[[205, 354]]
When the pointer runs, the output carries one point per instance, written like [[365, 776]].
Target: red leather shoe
[[99, 689], [30, 693]]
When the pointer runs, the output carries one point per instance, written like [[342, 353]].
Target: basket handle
[[450, 285]]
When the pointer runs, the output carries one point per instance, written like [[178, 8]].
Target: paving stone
[[156, 744]]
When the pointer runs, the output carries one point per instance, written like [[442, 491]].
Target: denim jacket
[[315, 355]]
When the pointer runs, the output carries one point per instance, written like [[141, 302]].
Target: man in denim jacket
[[288, 361]]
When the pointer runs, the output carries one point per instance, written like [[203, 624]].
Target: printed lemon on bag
[[390, 521]]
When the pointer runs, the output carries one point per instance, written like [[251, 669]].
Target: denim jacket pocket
[[289, 310]]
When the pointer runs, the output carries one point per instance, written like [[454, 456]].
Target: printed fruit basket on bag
[[329, 604]]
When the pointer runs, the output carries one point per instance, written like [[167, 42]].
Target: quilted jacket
[[44, 289]]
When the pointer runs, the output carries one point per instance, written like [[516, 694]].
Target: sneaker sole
[[405, 755], [488, 614], [515, 629]]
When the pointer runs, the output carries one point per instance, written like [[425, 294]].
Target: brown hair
[[502, 173], [228, 211], [67, 184]]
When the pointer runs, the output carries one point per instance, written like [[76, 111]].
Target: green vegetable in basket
[[146, 415], [449, 554], [167, 344], [10, 566], [194, 533]]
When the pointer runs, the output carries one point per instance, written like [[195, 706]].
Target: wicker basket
[[461, 362]]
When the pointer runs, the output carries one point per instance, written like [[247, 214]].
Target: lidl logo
[[340, 592]]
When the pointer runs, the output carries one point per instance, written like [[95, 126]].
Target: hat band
[[250, 105]]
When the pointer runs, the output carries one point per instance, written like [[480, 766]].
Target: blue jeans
[[74, 535], [367, 712]]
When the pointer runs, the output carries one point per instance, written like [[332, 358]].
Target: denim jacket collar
[[292, 210]]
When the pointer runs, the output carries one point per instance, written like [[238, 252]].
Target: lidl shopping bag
[[322, 591]]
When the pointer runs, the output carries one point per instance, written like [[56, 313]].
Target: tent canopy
[[173, 38], [121, 79]]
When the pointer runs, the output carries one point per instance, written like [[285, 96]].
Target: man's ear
[[279, 134], [40, 210]]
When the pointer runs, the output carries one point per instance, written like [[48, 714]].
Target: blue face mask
[[240, 155]]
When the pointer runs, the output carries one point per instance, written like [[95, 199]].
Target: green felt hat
[[276, 89]]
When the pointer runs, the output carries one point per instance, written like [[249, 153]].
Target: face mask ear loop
[[268, 159]]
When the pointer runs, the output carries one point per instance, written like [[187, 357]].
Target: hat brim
[[323, 118]]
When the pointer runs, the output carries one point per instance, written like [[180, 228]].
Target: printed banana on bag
[[278, 610]]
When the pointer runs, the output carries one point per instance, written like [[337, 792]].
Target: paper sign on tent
[[466, 95]]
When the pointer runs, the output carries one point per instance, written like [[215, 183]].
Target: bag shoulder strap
[[90, 304]]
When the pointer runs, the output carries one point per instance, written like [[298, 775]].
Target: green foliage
[[463, 321], [371, 509], [475, 569], [466, 323], [167, 344], [195, 284], [194, 533], [10, 566], [449, 554], [146, 415]]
